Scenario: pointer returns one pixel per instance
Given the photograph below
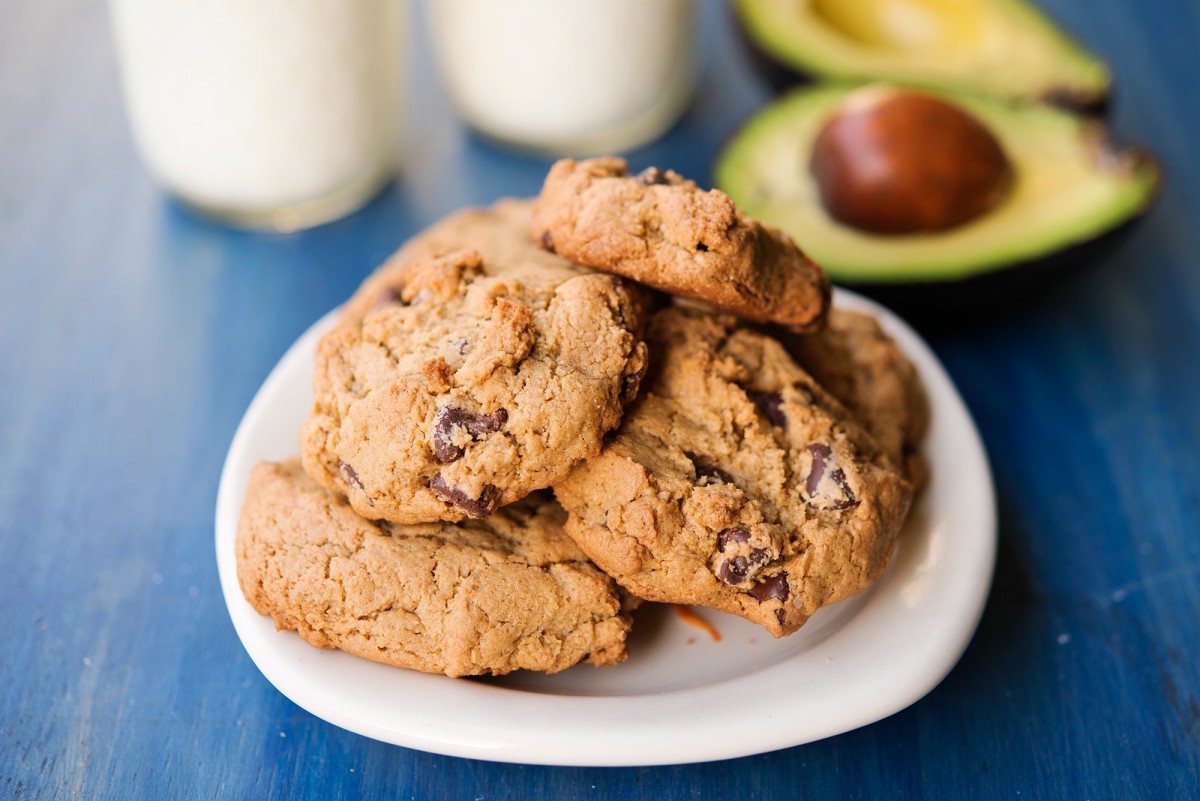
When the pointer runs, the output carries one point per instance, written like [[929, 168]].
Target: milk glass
[[276, 114], [567, 76]]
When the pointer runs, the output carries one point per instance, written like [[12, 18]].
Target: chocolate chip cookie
[[863, 367], [473, 369], [662, 230], [512, 592], [736, 482]]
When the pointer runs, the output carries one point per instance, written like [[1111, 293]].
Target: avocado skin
[[986, 296], [781, 77], [1089, 105]]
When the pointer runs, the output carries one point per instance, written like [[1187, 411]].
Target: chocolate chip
[[653, 175], [487, 423], [619, 314], [709, 473], [730, 535], [451, 418], [701, 247], [734, 571], [810, 397], [740, 568], [775, 586], [629, 388], [474, 507], [389, 296], [771, 406], [820, 455], [547, 241], [820, 476], [444, 450], [780, 615], [349, 475]]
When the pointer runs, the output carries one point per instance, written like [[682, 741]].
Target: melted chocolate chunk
[[711, 473], [450, 418], [349, 475], [824, 472], [775, 586], [652, 176], [547, 241], [474, 507], [771, 406]]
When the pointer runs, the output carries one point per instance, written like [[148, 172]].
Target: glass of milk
[[567, 77], [275, 114]]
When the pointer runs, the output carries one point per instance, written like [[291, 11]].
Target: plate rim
[[606, 739]]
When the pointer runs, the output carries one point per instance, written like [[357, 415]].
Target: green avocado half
[[1004, 48], [1069, 186]]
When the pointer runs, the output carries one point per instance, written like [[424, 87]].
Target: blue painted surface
[[133, 335]]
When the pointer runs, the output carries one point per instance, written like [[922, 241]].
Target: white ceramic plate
[[681, 697]]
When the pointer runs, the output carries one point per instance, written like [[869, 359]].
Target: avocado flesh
[[1069, 186], [1005, 48]]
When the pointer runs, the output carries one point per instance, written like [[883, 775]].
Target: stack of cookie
[[517, 434]]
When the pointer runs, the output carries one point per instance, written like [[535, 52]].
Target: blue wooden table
[[133, 335]]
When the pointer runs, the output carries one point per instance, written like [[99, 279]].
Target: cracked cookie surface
[[470, 370], [735, 481], [662, 230], [479, 597], [865, 369]]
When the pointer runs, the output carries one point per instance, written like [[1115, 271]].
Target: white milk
[[268, 113], [567, 76]]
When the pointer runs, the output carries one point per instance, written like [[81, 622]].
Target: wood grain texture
[[132, 336]]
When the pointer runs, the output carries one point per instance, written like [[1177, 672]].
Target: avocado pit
[[892, 161]]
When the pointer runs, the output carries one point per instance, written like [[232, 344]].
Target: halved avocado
[[1068, 185], [1005, 48]]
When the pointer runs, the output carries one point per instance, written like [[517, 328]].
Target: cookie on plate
[[512, 592], [736, 482], [473, 369], [662, 230], [865, 369]]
